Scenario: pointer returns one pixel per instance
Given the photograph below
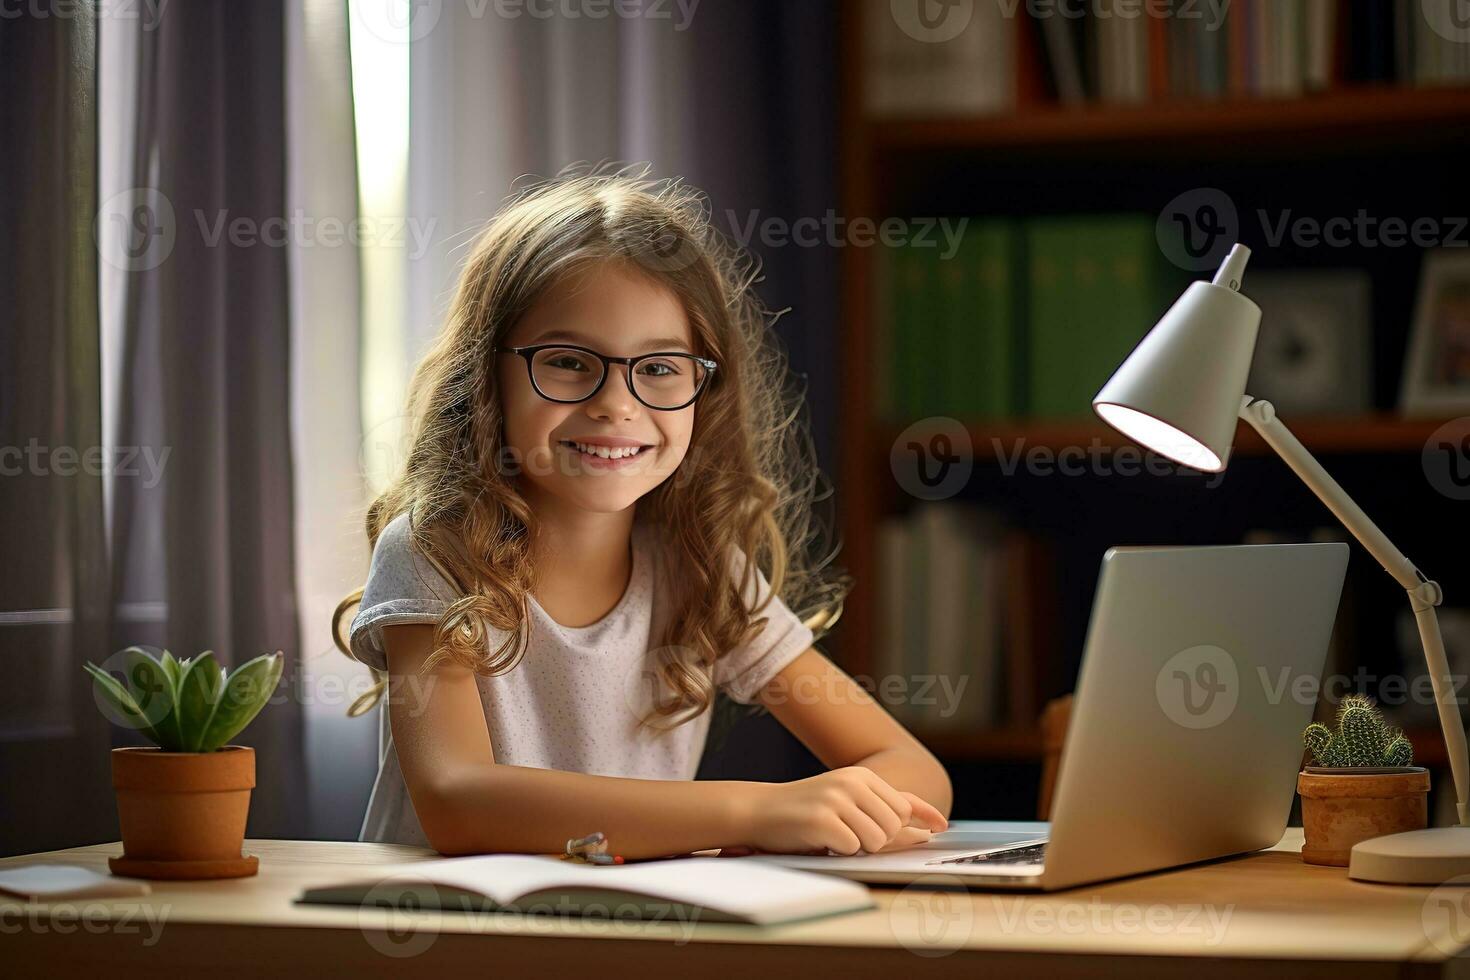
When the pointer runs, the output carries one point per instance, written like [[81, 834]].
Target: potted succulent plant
[[1364, 784], [182, 804]]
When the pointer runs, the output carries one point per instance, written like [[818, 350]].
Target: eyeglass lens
[[665, 381]]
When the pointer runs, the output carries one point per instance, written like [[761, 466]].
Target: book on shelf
[[1095, 285], [962, 63], [950, 345], [1118, 52], [1025, 319], [943, 626]]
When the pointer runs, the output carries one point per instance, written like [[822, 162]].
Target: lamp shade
[[1179, 392]]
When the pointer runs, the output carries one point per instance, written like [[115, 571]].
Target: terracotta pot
[[1341, 807], [183, 813]]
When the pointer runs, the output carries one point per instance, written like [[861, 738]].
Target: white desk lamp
[[1180, 393]]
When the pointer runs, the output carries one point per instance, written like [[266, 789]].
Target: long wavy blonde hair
[[749, 481]]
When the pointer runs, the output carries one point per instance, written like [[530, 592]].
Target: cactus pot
[[183, 813], [1344, 805]]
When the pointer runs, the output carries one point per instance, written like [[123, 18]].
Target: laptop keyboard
[[1027, 854]]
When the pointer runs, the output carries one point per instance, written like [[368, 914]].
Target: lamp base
[[1416, 857]]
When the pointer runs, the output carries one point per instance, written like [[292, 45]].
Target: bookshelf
[[887, 165], [1357, 115]]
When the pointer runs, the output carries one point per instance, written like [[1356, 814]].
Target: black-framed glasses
[[566, 373]]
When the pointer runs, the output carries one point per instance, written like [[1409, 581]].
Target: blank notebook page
[[737, 885]]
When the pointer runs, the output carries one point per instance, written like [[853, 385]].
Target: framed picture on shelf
[[1437, 368], [1313, 355]]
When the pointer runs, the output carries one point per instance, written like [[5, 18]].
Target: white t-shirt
[[573, 701]]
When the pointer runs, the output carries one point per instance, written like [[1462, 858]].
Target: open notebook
[[700, 889]]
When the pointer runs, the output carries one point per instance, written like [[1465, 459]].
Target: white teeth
[[607, 452]]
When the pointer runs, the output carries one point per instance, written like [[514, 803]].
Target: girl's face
[[615, 312]]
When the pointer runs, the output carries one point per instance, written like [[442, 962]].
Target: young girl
[[560, 585]]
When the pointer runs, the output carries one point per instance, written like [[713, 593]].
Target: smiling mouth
[[606, 452]]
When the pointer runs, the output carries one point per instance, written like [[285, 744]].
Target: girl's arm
[[843, 726], [467, 804]]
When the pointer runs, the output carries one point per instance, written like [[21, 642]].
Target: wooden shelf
[[1363, 114], [1371, 433], [995, 744]]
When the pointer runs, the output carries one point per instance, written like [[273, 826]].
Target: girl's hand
[[846, 810], [908, 837]]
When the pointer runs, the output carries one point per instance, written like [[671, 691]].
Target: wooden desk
[[1266, 914]]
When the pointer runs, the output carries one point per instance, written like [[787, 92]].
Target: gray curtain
[[203, 559], [54, 784]]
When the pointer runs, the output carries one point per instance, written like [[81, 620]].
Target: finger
[[869, 834], [908, 837], [840, 836], [877, 807], [896, 801], [926, 814]]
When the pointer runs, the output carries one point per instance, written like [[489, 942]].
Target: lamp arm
[[1424, 594]]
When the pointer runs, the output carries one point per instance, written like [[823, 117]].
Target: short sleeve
[[402, 587], [744, 671]]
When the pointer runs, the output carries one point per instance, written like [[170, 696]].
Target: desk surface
[[1262, 914]]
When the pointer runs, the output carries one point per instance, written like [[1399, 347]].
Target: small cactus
[[1362, 738]]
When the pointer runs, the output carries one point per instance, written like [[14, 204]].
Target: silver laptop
[[1199, 674]]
